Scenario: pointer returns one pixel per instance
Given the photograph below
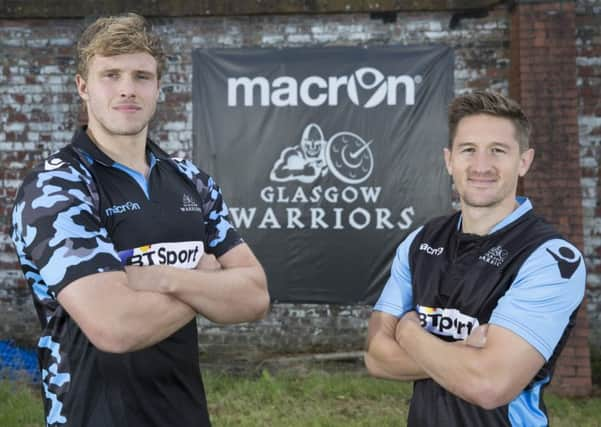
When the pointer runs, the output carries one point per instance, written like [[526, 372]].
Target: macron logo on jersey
[[119, 209], [424, 247], [567, 261], [448, 322], [175, 254]]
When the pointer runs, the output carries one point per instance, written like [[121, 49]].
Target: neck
[[480, 220], [129, 150]]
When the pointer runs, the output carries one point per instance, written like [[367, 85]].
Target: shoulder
[[556, 256], [203, 183], [61, 171], [59, 182], [189, 169], [433, 229], [404, 248]]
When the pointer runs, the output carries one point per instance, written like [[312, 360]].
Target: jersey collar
[[82, 141], [524, 205]]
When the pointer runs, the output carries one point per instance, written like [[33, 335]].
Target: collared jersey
[[81, 213], [522, 276]]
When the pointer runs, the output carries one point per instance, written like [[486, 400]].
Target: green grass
[[20, 405], [313, 399], [309, 398]]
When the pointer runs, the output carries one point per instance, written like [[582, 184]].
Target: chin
[[480, 202], [126, 130]]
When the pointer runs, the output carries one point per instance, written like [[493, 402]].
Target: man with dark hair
[[479, 303], [122, 247]]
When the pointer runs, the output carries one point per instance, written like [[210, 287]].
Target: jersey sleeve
[[397, 296], [546, 291], [56, 228], [221, 235]]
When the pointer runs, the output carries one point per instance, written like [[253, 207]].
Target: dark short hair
[[117, 35], [493, 104]]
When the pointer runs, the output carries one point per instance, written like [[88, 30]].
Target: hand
[[409, 319], [478, 337], [208, 262]]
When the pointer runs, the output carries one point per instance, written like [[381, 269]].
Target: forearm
[[147, 318], [118, 319], [466, 371], [454, 367], [386, 359], [231, 295]]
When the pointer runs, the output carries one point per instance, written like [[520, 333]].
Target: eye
[[498, 150], [143, 76], [467, 150]]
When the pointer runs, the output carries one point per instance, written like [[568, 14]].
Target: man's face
[[312, 147], [485, 161], [120, 92]]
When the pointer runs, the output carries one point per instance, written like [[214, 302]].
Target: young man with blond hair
[[479, 303], [122, 247]]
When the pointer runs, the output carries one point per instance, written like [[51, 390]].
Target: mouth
[[127, 108], [482, 182]]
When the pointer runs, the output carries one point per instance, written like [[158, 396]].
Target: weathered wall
[[588, 61], [39, 109], [543, 80]]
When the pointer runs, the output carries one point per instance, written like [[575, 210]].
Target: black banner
[[327, 157]]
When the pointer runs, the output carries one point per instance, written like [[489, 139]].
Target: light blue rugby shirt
[[538, 304]]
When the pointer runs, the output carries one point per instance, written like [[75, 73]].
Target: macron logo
[[314, 91], [424, 247], [119, 209]]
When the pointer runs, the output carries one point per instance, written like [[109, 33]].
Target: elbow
[[489, 394], [112, 340], [261, 301], [371, 365], [261, 306]]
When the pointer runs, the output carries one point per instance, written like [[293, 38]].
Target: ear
[[82, 87], [447, 160], [526, 159]]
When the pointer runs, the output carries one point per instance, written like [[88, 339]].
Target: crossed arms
[[127, 311], [489, 369]]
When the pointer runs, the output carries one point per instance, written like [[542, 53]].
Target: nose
[[127, 87], [481, 162]]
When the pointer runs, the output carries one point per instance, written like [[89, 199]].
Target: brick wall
[[39, 109], [543, 79], [588, 78]]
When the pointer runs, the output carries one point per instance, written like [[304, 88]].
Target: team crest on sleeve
[[53, 163], [567, 260], [175, 254], [448, 322]]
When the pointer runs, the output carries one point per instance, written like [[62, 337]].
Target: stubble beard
[[128, 129]]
